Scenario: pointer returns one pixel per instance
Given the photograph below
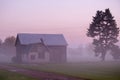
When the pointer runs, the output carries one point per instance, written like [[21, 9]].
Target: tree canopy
[[104, 32]]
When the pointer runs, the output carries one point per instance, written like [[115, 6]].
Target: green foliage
[[104, 32], [6, 75]]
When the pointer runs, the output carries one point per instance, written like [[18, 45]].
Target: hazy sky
[[69, 17]]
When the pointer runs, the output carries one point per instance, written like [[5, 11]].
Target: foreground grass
[[90, 70], [6, 75]]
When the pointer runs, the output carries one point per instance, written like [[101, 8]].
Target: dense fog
[[77, 54], [85, 53]]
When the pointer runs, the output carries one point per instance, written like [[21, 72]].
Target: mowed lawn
[[109, 70], [7, 75]]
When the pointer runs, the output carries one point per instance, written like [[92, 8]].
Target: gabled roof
[[48, 39]]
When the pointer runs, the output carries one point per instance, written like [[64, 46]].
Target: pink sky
[[69, 17]]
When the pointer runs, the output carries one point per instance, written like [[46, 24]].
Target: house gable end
[[17, 42]]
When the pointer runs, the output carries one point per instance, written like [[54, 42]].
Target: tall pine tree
[[104, 32]]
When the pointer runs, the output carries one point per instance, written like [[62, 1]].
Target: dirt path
[[39, 74]]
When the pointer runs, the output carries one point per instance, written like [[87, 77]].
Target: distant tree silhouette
[[0, 42], [104, 32], [115, 52], [9, 41], [89, 48]]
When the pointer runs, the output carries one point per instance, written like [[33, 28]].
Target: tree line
[[7, 49], [9, 41]]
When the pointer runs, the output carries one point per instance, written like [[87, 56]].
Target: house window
[[32, 57], [41, 55]]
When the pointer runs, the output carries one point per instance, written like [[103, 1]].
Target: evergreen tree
[[104, 32]]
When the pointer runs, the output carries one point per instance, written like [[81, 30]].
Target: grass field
[[90, 70], [6, 75]]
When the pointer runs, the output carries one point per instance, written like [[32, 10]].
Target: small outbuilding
[[36, 48]]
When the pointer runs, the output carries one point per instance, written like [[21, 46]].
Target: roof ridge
[[39, 34], [49, 39]]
